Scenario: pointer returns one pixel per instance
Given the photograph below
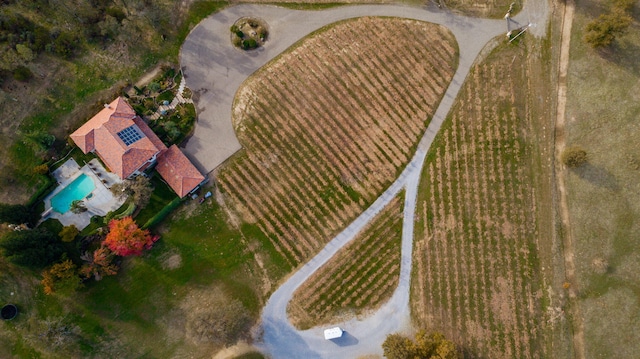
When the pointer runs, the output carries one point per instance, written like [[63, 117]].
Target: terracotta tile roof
[[102, 135], [181, 175]]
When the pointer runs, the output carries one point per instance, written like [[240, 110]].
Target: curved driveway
[[214, 70]]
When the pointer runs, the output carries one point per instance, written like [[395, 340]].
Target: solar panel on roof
[[130, 135]]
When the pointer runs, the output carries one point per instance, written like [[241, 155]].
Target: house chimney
[[106, 105]]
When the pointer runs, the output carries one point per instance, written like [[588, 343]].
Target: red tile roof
[[100, 134], [178, 171]]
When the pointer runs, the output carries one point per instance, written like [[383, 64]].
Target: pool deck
[[99, 202]]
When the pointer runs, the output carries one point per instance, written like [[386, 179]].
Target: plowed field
[[328, 125], [477, 275], [360, 277]]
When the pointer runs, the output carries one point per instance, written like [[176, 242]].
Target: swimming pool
[[76, 190]]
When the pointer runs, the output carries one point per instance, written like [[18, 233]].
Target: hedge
[[163, 213], [44, 189]]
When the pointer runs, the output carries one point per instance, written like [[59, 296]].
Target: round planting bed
[[9, 312]]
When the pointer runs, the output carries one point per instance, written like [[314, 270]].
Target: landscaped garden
[[249, 33]]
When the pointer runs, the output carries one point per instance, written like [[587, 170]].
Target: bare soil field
[[602, 118], [328, 125], [359, 278], [482, 216]]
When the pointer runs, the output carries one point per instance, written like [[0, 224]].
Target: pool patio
[[99, 202]]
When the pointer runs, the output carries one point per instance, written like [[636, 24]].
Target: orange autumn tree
[[125, 238], [61, 277]]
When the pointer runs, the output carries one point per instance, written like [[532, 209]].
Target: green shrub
[[22, 73], [165, 96], [154, 86], [117, 13], [249, 44], [127, 212], [66, 45], [163, 213], [574, 157], [240, 34]]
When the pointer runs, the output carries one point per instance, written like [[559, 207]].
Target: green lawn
[[127, 313]]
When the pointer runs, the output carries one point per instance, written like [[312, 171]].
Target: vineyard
[[359, 278], [329, 124], [477, 271]]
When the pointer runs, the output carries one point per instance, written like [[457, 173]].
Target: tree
[[603, 31], [426, 346], [69, 233], [62, 278], [397, 346], [435, 346], [139, 189], [22, 73], [66, 44], [35, 248], [574, 157], [78, 206], [125, 238], [17, 214], [98, 264]]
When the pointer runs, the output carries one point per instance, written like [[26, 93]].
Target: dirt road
[[560, 144]]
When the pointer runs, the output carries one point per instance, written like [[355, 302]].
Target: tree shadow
[[597, 176], [346, 340], [623, 53]]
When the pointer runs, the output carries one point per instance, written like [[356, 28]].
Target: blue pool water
[[76, 190]]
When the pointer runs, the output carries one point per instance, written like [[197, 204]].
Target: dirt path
[[560, 143]]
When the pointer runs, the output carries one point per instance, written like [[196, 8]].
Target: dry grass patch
[[477, 274], [359, 278], [603, 103], [329, 124]]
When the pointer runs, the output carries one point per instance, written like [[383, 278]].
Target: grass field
[[601, 117], [359, 278], [328, 125], [478, 276]]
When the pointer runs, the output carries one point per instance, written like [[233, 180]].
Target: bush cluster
[[604, 30]]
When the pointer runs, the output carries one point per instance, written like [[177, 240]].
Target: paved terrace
[[99, 202]]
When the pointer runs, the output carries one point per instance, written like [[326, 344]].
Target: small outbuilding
[[333, 333]]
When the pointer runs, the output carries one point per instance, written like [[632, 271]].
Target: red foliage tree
[[125, 238], [98, 264]]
